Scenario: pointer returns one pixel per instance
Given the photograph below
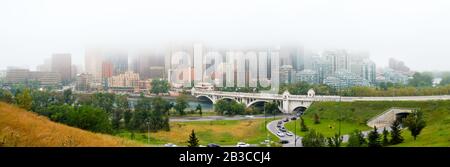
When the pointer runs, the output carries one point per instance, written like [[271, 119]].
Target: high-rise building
[[46, 67], [62, 64], [322, 67], [118, 59], [339, 59], [344, 79], [149, 65], [294, 56], [93, 63], [286, 73], [398, 65], [83, 82], [307, 75]]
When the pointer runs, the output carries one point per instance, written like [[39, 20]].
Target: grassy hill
[[22, 128], [356, 114]]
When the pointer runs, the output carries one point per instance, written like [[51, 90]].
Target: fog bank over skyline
[[414, 31]]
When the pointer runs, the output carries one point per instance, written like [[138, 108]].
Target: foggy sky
[[417, 32]]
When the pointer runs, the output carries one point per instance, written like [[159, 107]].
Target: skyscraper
[[62, 64], [339, 59]]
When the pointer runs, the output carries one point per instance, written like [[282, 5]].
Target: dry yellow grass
[[22, 128]]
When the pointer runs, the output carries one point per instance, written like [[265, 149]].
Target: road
[[272, 127]]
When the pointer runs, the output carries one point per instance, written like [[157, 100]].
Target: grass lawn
[[222, 132], [327, 127], [355, 115]]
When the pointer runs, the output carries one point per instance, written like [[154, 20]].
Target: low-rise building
[[16, 76]]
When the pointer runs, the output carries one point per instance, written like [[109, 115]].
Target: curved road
[[272, 127]]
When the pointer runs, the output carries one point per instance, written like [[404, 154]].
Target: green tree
[[357, 139], [271, 108], [335, 141], [303, 126], [193, 140], [415, 123], [24, 99], [105, 101], [6, 96], [127, 118], [68, 96], [316, 118], [199, 109], [421, 80], [445, 80], [396, 133], [314, 139], [90, 118], [159, 86], [385, 141], [374, 138], [181, 104]]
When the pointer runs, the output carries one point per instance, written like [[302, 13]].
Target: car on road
[[281, 134], [286, 120], [170, 145], [293, 118], [289, 134], [212, 145], [249, 116], [242, 144], [283, 129], [284, 141], [279, 126], [280, 122]]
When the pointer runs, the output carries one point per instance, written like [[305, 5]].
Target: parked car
[[213, 145], [289, 134], [170, 145], [242, 144], [281, 134], [284, 141]]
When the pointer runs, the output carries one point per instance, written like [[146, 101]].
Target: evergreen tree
[[357, 139], [314, 139], [303, 126], [396, 133], [193, 140], [374, 138], [385, 141], [335, 141], [415, 123]]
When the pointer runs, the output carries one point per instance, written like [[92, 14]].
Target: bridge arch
[[300, 109], [228, 98], [206, 97]]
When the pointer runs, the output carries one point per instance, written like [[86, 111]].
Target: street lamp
[[148, 131], [295, 133]]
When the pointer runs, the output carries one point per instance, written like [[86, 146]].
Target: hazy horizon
[[414, 31]]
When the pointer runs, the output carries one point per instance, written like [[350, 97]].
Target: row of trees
[[414, 122], [229, 107], [100, 112]]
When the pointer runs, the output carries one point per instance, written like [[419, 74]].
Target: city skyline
[[411, 31]]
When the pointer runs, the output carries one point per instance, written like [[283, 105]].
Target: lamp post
[[148, 131]]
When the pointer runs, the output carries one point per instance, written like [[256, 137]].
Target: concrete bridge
[[288, 103]]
